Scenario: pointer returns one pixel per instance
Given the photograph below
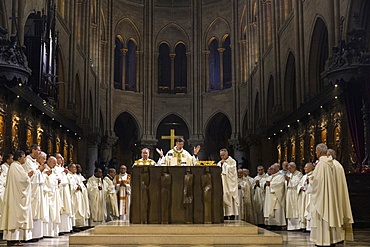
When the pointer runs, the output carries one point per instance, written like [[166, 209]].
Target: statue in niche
[[144, 195], [188, 195], [206, 180], [165, 195], [15, 137]]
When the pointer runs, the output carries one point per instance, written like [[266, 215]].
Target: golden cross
[[172, 137]]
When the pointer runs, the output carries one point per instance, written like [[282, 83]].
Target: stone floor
[[291, 239]]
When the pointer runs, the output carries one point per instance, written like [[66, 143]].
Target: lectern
[[176, 195]]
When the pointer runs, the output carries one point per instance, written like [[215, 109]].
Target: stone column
[[138, 66], [106, 147], [123, 80], [93, 140], [206, 64], [238, 151], [221, 51], [172, 57], [254, 143]]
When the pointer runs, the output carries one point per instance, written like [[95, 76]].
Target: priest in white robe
[[16, 220], [97, 198], [80, 206], [230, 185], [83, 182], [326, 220], [274, 207], [123, 188], [246, 174], [304, 199], [112, 204], [292, 181], [4, 168], [259, 194], [145, 160], [247, 210], [345, 211], [178, 156], [241, 182], [37, 181], [65, 195], [8, 158], [53, 200]]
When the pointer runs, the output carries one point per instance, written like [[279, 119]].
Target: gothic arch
[[211, 40], [290, 87], [319, 53], [172, 122], [126, 149], [128, 30], [217, 28], [164, 68], [172, 33], [217, 134], [131, 114]]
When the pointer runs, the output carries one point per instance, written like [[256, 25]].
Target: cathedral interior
[[98, 80]]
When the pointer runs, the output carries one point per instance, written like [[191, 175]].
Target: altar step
[[237, 233]]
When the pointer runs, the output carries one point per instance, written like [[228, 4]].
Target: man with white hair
[[326, 222], [65, 195], [304, 199], [259, 194], [229, 184], [274, 208], [37, 180], [145, 160], [345, 211], [292, 181], [52, 181], [16, 221]]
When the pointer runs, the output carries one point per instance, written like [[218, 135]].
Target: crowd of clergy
[[40, 197], [284, 198]]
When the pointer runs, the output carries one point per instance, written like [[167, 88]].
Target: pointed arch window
[[125, 65], [130, 75], [164, 69], [214, 66], [219, 65], [180, 73], [226, 60], [118, 71]]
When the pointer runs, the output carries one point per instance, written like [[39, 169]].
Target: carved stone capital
[[108, 141], [94, 138]]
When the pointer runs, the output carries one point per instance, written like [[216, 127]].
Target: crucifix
[[172, 137]]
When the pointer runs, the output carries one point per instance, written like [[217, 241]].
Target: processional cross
[[172, 137]]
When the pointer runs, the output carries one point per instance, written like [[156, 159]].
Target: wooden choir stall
[[176, 195]]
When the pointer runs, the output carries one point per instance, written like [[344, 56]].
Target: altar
[[176, 195]]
